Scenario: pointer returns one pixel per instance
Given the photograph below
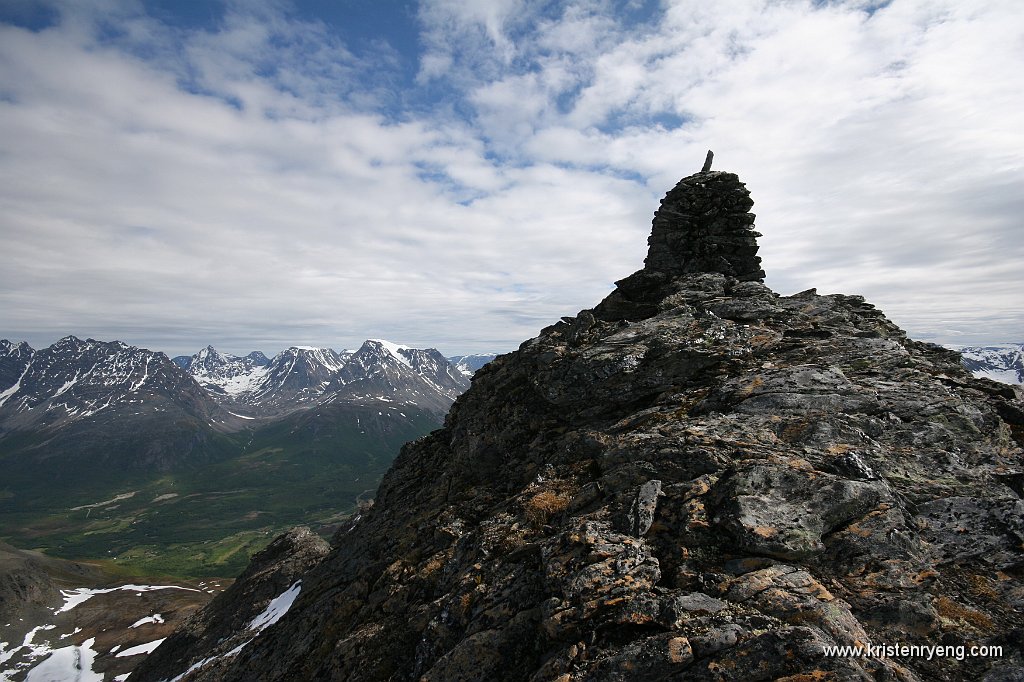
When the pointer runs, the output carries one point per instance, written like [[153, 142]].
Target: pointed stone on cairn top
[[704, 225]]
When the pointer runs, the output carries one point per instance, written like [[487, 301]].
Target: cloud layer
[[255, 182]]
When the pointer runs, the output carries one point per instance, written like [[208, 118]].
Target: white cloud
[[252, 185]]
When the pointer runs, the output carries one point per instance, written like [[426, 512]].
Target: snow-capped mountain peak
[[397, 351], [72, 379], [294, 377]]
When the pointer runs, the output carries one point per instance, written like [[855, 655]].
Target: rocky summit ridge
[[697, 479]]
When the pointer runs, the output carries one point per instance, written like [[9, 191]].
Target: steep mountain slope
[[384, 371], [697, 479], [82, 408], [293, 379], [1003, 363], [222, 373], [14, 358]]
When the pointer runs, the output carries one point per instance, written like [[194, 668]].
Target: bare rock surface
[[698, 479]]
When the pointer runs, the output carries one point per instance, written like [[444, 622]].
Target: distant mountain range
[[251, 442], [1001, 362], [301, 376]]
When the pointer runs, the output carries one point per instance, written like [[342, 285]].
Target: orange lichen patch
[[761, 340], [746, 391], [696, 515], [951, 610], [765, 531], [434, 563], [981, 586], [858, 531], [794, 430], [813, 676], [700, 486], [657, 527], [715, 666], [679, 650]]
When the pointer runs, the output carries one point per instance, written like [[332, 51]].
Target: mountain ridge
[[695, 479]]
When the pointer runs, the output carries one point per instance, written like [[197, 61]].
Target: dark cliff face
[[697, 478]]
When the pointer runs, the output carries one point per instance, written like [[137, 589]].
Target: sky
[[458, 174]]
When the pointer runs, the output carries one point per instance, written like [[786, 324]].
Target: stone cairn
[[704, 225]]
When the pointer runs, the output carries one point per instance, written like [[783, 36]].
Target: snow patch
[[277, 607], [117, 498], [73, 598], [146, 648], [16, 387], [155, 618], [1006, 376], [392, 349], [66, 386], [68, 663], [200, 664]]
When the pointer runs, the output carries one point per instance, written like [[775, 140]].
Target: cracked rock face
[[697, 479]]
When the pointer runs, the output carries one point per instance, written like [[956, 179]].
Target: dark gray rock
[[704, 225], [784, 511], [641, 512]]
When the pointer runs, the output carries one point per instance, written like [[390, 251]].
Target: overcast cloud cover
[[460, 173]]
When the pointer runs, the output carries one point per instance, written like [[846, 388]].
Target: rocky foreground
[[697, 479]]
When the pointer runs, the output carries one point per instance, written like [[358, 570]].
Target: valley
[[187, 468], [207, 521], [136, 487]]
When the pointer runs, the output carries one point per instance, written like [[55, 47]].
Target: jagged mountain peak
[[73, 379], [382, 347], [258, 358], [69, 340], [301, 376], [11, 348], [696, 479], [386, 370]]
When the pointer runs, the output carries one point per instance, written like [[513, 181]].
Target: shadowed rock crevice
[[697, 479]]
